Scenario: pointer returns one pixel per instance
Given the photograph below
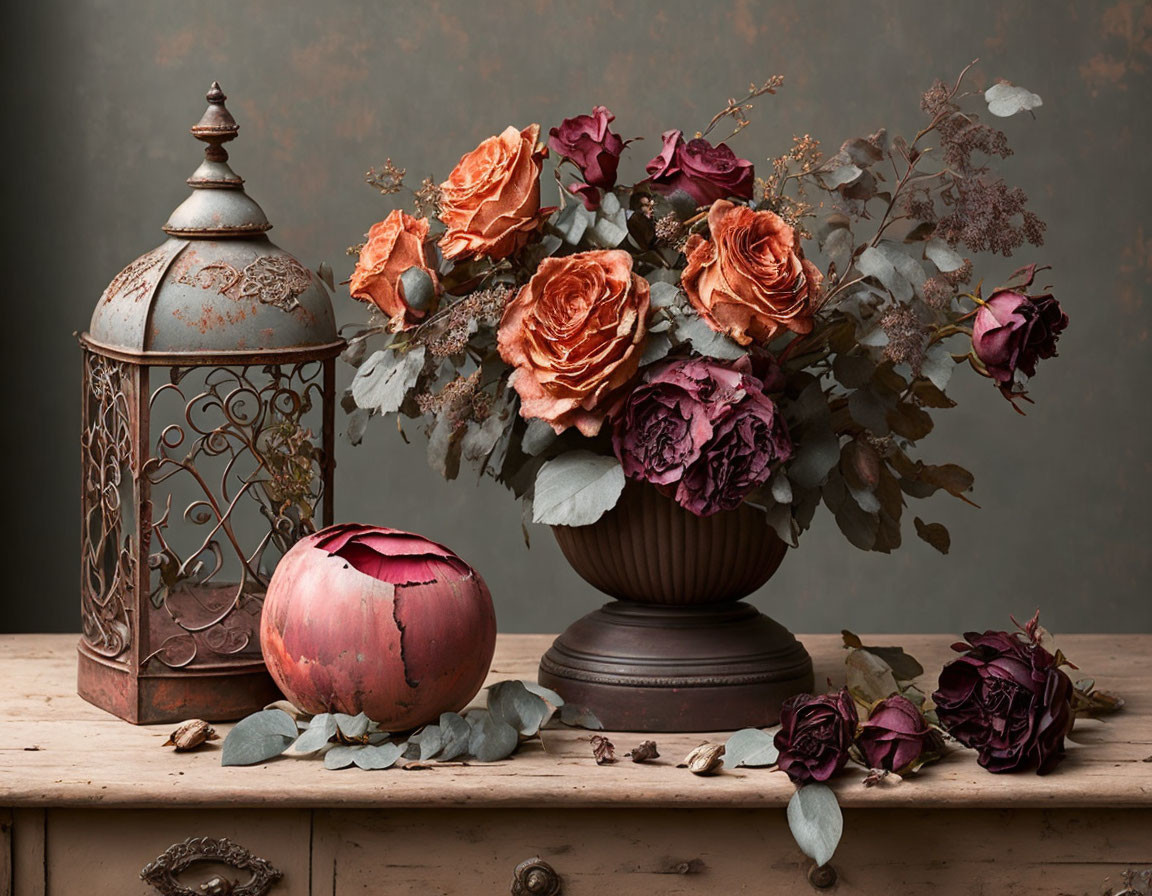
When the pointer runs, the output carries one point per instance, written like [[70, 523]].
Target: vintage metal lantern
[[207, 451]]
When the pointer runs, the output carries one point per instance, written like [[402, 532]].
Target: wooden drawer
[[677, 852], [596, 852], [101, 852]]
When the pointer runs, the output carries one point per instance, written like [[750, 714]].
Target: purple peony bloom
[[1013, 331], [1008, 699], [587, 142], [703, 430], [703, 171], [815, 734], [895, 735]]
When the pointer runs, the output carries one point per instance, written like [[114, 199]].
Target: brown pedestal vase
[[677, 650]]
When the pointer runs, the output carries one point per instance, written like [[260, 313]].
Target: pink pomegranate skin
[[366, 619]]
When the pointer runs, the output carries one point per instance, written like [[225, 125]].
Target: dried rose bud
[[704, 760], [603, 749], [190, 735], [647, 750]]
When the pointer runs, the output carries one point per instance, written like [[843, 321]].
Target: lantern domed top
[[217, 287]]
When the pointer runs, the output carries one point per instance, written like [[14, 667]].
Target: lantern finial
[[216, 126]]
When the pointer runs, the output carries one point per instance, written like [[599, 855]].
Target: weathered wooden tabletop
[[57, 750]]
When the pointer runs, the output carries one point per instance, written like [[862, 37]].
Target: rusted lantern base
[[220, 694], [651, 667]]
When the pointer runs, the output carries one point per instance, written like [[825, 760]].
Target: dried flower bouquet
[[778, 340]]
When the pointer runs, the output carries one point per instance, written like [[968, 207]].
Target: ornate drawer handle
[[179, 857], [535, 877]]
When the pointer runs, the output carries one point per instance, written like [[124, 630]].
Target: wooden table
[[89, 800]]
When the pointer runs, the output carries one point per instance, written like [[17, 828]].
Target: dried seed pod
[[647, 750], [190, 735], [704, 760], [603, 749]]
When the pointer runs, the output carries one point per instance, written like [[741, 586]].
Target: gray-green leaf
[[491, 739], [454, 734], [385, 378], [545, 693], [431, 742], [816, 821], [339, 757], [818, 452], [938, 366], [258, 738], [512, 702], [1006, 99], [580, 717], [943, 256], [537, 436], [352, 726], [656, 348], [382, 756], [664, 295], [750, 747], [320, 731], [706, 341], [576, 489]]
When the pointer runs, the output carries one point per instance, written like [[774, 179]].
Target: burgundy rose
[[702, 429], [703, 171], [895, 735], [745, 446], [1008, 699], [815, 734], [1013, 331], [587, 142]]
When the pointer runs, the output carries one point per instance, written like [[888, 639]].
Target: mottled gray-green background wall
[[99, 96]]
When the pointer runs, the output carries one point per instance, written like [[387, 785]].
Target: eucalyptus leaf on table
[[258, 738], [455, 732], [816, 822], [491, 739], [512, 702], [320, 731], [751, 748]]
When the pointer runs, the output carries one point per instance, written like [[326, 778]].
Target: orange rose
[[394, 245], [751, 278], [490, 203], [575, 333]]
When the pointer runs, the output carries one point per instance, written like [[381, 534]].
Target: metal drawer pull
[[822, 876], [535, 877], [179, 857]]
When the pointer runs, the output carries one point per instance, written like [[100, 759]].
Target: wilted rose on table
[[1008, 699], [896, 735], [815, 734]]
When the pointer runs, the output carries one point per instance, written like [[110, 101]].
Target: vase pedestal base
[[652, 667]]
